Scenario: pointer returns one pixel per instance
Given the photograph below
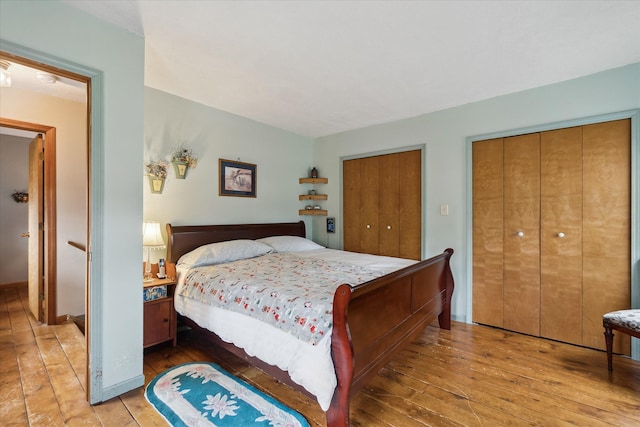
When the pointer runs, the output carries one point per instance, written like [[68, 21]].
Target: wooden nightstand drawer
[[159, 321]]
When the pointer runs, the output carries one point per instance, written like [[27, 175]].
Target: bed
[[371, 321]]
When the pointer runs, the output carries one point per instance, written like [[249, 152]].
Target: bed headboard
[[185, 238]]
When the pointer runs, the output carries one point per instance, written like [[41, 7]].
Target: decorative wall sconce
[[20, 197], [157, 171], [183, 159], [156, 184]]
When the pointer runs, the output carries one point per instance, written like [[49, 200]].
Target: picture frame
[[236, 178]]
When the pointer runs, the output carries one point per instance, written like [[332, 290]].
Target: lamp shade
[[151, 235]]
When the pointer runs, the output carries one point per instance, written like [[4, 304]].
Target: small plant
[[185, 155], [20, 196], [157, 168]]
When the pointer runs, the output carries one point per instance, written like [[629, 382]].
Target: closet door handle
[[388, 227], [561, 234], [368, 226], [520, 233]]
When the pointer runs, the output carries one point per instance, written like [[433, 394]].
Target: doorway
[[69, 179]]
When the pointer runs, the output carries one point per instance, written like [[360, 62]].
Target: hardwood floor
[[469, 376]]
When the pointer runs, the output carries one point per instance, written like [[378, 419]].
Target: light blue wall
[[54, 33], [280, 157], [446, 169]]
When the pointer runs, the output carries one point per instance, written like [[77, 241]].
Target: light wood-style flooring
[[469, 376]]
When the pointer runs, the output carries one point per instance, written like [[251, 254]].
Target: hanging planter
[[183, 159], [157, 172], [157, 184], [181, 168]]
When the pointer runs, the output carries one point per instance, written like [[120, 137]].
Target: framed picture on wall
[[236, 178]]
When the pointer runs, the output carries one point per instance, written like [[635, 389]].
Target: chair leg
[[608, 337]]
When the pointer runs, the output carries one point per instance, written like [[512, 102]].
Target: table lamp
[[151, 239]]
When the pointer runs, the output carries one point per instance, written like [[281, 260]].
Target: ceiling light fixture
[[46, 77], [5, 75]]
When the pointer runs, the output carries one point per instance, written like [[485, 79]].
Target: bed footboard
[[373, 321]]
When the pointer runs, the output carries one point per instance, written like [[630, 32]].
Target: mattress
[[308, 363]]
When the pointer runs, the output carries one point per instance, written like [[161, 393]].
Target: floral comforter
[[290, 292]]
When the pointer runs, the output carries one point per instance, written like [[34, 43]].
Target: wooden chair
[[625, 321]]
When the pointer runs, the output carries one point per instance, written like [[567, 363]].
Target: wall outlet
[[444, 210], [331, 225]]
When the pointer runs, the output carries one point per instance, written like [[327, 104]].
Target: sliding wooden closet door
[[606, 227], [522, 234], [410, 206], [389, 199], [561, 235], [488, 229]]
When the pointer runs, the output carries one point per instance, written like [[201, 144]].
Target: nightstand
[[160, 315]]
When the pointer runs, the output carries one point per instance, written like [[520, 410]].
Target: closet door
[[361, 204], [561, 235], [388, 169], [488, 231], [522, 234], [606, 228], [351, 205], [410, 206]]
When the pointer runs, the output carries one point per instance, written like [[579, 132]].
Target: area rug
[[203, 394]]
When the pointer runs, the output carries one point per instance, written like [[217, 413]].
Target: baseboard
[[14, 285], [459, 318], [121, 388]]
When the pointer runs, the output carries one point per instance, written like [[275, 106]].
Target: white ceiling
[[26, 78], [322, 67]]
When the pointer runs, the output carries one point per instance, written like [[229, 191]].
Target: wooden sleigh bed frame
[[371, 322]]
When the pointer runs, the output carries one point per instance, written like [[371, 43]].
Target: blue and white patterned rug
[[203, 394]]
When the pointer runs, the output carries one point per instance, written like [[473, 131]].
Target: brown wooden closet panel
[[382, 202], [522, 234], [389, 168], [606, 228], [561, 235], [351, 202], [370, 204], [410, 206], [488, 230], [361, 228]]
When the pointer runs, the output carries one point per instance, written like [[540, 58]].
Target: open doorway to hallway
[[54, 103]]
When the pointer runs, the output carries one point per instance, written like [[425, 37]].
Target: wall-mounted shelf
[[312, 212], [314, 180], [312, 197]]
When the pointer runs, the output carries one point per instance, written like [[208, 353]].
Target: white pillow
[[290, 243], [221, 252]]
